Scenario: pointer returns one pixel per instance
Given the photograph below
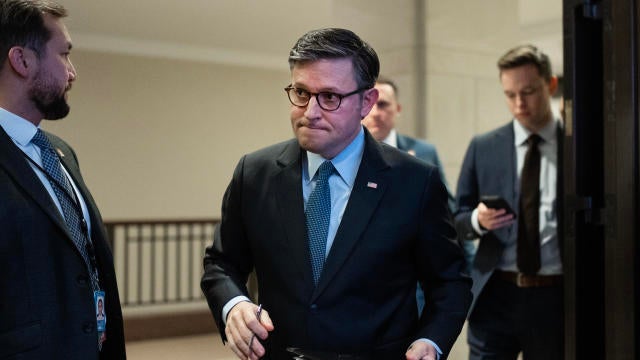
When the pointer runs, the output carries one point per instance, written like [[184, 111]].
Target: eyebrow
[[305, 88]]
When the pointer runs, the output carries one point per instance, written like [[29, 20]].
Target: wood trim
[[156, 326]]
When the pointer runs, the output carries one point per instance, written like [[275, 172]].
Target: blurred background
[[170, 95]]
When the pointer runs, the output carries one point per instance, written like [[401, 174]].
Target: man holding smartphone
[[517, 272]]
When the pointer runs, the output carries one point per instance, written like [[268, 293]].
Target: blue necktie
[[318, 215], [71, 209]]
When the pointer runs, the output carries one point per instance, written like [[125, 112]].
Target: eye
[[382, 104], [300, 93], [329, 97]]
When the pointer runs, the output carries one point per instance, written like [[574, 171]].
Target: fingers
[[421, 350], [492, 219], [242, 325]]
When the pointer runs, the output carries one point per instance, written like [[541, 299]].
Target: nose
[[374, 110], [72, 72], [520, 101], [313, 109]]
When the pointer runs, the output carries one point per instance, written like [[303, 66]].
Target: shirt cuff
[[432, 343], [230, 304], [475, 224]]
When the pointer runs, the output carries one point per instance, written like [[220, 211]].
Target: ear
[[368, 100], [21, 60], [553, 85]]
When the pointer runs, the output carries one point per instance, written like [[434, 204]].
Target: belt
[[525, 281], [301, 354]]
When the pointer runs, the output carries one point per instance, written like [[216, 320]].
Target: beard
[[48, 99]]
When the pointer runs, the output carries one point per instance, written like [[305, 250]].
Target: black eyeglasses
[[328, 101]]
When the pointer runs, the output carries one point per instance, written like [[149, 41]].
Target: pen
[[258, 313]]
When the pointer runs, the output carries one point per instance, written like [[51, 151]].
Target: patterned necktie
[[68, 202], [318, 215], [528, 249]]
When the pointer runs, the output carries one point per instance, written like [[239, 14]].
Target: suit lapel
[[290, 203], [12, 159], [368, 189]]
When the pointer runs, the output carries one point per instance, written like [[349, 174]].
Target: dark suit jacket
[[489, 168], [426, 152], [46, 302], [391, 235]]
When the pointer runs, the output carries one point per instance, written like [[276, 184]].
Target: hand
[[242, 324], [421, 350], [492, 219]]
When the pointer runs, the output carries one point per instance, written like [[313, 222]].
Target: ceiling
[[233, 28], [258, 32]]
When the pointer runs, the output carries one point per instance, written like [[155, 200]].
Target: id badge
[[101, 314]]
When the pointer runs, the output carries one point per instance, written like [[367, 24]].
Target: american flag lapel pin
[[60, 152], [372, 185]]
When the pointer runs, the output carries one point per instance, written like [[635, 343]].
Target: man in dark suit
[[517, 272], [341, 281], [54, 257], [381, 123]]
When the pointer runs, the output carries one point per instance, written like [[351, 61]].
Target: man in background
[[381, 123], [54, 259], [339, 229], [508, 196]]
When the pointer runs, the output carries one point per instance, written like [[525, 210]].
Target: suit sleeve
[[467, 194], [447, 290], [228, 261]]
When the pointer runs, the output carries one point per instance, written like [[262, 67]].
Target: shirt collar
[[346, 162], [547, 133], [19, 129], [392, 138]]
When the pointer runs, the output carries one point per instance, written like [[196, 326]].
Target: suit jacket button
[[88, 327]]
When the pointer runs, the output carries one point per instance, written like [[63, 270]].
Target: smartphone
[[496, 202]]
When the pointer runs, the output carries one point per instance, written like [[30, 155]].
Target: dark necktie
[[528, 250], [318, 215], [71, 209]]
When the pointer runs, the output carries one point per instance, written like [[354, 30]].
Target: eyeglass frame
[[311, 94]]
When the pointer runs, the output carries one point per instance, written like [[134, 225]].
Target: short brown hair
[[383, 80], [22, 24], [525, 55], [334, 43]]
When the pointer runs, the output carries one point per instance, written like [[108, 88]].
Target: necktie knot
[[325, 171], [41, 140], [533, 140]]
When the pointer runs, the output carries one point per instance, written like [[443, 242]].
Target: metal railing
[[159, 262]]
